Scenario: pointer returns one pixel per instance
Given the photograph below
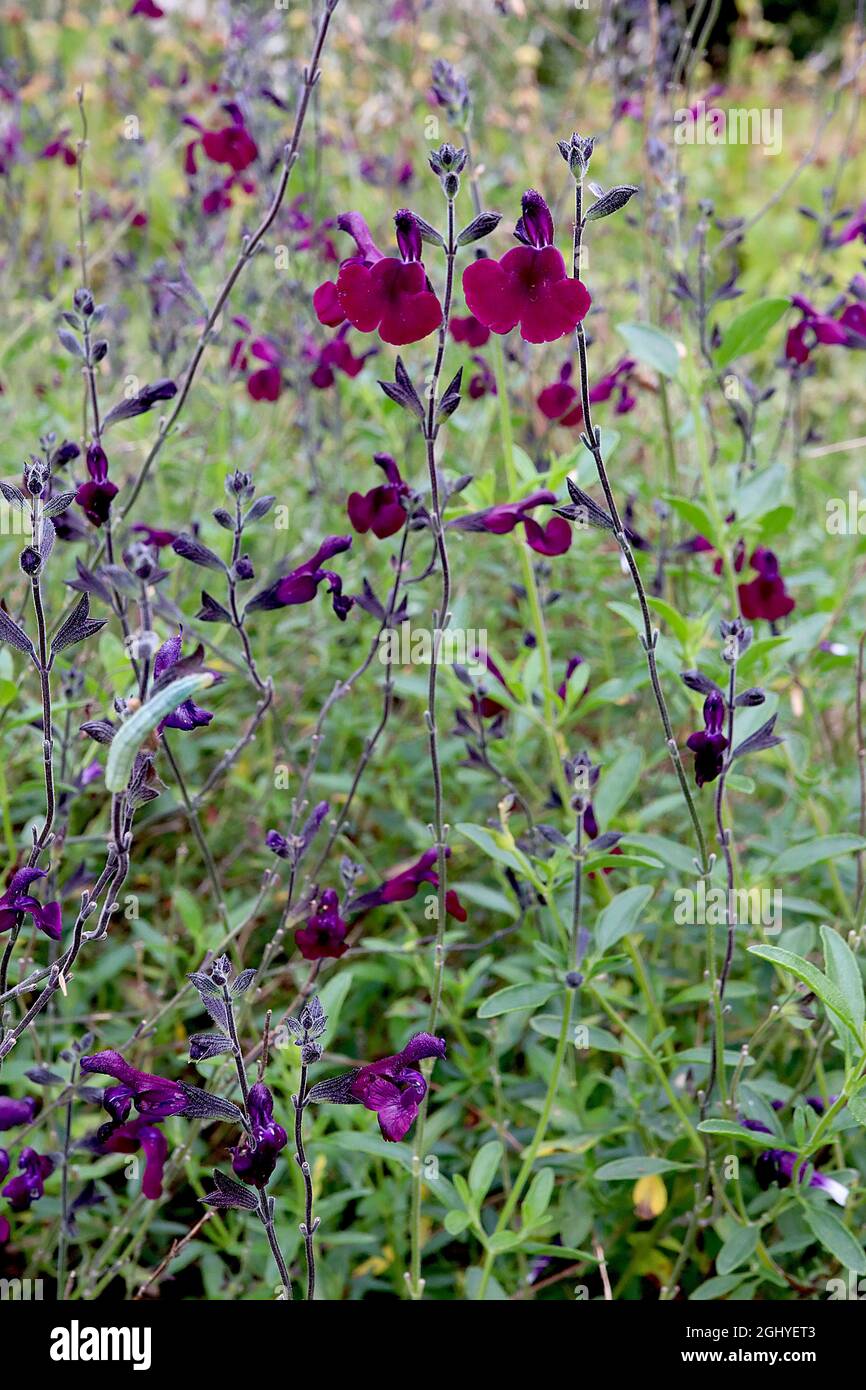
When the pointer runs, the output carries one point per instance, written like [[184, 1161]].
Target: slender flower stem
[[592, 440], [311, 75], [308, 1226], [63, 1236], [441, 616]]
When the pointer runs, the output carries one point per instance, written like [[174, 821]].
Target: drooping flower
[[29, 1183], [709, 743], [188, 715], [392, 1087], [405, 884], [128, 1138], [483, 704], [529, 285], [468, 330], [47, 917], [813, 328], [853, 229], [554, 538], [335, 356], [16, 1112], [95, 497], [390, 295], [382, 509], [765, 597], [324, 936], [256, 1156], [154, 537], [779, 1165], [561, 400], [60, 148], [301, 584], [154, 1097]]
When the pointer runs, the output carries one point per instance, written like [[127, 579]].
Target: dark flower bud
[[244, 568], [30, 561], [99, 350], [753, 696], [239, 484], [574, 979], [408, 235], [736, 638], [83, 302], [35, 476], [221, 970], [714, 712], [577, 153], [447, 160]]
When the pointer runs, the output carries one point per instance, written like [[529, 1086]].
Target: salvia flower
[[301, 585], [188, 715], [709, 743], [128, 1138], [294, 847], [326, 300], [256, 1156], [571, 667], [324, 936], [779, 1165], [95, 497], [335, 356], [468, 330], [391, 295], [47, 917], [529, 285], [16, 1112], [392, 1087], [28, 1185], [154, 1097], [405, 884], [813, 328], [382, 509], [765, 597], [554, 538]]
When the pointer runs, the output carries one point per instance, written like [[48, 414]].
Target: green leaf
[[131, 735], [829, 1232], [734, 1131], [456, 1222], [483, 1170], [652, 346], [815, 851], [621, 915], [697, 516], [514, 997], [829, 993], [843, 970], [537, 1199], [486, 841], [749, 329], [738, 1248], [716, 1288], [624, 1169]]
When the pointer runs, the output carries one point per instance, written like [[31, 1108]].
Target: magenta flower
[[301, 585], [709, 743], [380, 510], [95, 497], [853, 229], [765, 597], [483, 382], [468, 330], [554, 538], [484, 705], [813, 328], [60, 149], [232, 144], [255, 1158], [405, 884], [390, 295], [16, 1112], [394, 1088], [529, 285], [324, 936], [561, 401], [16, 899], [154, 1097], [266, 383], [29, 1184], [151, 536], [335, 356], [326, 300], [147, 9], [128, 1139], [188, 715]]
